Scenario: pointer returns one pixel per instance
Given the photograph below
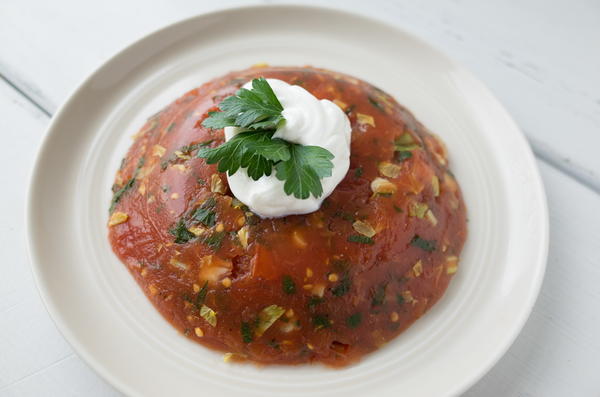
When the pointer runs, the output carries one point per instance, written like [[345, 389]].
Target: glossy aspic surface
[[325, 287]]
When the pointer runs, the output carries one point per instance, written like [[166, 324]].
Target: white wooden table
[[540, 57]]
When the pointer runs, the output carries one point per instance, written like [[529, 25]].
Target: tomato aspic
[[329, 286]]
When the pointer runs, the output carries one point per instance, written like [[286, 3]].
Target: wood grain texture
[[33, 354], [47, 48], [540, 58]]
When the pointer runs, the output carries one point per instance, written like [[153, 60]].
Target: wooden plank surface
[[540, 64], [540, 57]]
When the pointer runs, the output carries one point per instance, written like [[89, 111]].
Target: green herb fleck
[[403, 146], [359, 238], [398, 209], [354, 320], [426, 245], [358, 172], [376, 104], [205, 214], [402, 155], [378, 295], [273, 343], [321, 321], [314, 301], [130, 183], [342, 287], [344, 215], [214, 240], [181, 233], [246, 331], [289, 287], [170, 126], [201, 297], [399, 299]]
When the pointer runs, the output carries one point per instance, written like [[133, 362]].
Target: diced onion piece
[[158, 150], [404, 139], [234, 357], [431, 217], [216, 184], [318, 290], [197, 230], [288, 327], [364, 228], [450, 183], [435, 185], [117, 218], [182, 156], [389, 169], [365, 119], [209, 315], [451, 264], [418, 268], [213, 268], [143, 172], [243, 236], [226, 282], [267, 317], [417, 209], [298, 239], [179, 167], [383, 186], [341, 104], [407, 296], [178, 264], [153, 290], [198, 331]]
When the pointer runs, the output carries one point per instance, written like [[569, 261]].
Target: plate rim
[[51, 131]]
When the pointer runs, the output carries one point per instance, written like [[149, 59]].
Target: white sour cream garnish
[[308, 121]]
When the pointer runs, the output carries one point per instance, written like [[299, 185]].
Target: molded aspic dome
[[328, 286]]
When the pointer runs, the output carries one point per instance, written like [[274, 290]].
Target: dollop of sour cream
[[308, 121]]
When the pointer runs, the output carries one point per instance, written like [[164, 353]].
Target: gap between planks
[[540, 149]]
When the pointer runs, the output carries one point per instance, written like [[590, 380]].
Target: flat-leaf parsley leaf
[[302, 173], [257, 108]]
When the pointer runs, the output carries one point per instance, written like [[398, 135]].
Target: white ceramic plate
[[103, 313]]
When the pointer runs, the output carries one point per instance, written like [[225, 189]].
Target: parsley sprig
[[258, 113]]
